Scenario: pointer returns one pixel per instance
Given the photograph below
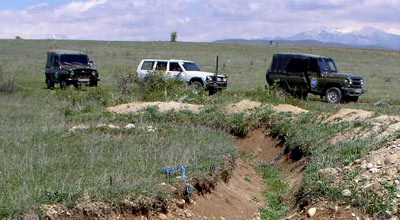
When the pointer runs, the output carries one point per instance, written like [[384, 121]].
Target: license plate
[[358, 91], [83, 80]]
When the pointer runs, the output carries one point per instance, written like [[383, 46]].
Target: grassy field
[[244, 64], [41, 161]]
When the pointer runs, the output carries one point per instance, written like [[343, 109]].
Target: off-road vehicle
[[300, 74], [186, 70], [68, 67]]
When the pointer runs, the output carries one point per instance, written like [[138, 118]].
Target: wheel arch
[[196, 79]]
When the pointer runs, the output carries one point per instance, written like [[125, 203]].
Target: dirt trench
[[238, 198], [243, 195]]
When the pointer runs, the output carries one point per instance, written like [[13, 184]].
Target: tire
[[304, 95], [49, 83], [212, 91], [196, 85], [333, 95], [93, 83], [63, 84]]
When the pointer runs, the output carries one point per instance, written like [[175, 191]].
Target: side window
[[55, 61], [314, 65], [297, 65], [147, 65], [174, 66], [161, 65], [48, 62]]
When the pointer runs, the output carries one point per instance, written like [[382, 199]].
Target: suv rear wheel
[[63, 84], [333, 95]]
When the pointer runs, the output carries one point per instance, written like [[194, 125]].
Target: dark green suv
[[68, 67], [300, 74]]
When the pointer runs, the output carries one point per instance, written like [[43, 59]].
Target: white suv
[[186, 70]]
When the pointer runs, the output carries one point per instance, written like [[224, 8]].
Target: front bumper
[[353, 91], [216, 85], [82, 80]]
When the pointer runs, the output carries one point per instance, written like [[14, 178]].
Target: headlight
[[71, 72], [362, 82], [209, 78], [93, 73]]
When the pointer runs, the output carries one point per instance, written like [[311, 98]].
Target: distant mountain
[[366, 37]]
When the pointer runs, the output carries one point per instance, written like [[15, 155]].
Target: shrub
[[158, 87]]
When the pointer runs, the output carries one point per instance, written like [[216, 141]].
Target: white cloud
[[80, 6], [194, 20], [394, 31]]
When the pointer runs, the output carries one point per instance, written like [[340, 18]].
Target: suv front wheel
[[49, 83], [196, 85], [333, 95]]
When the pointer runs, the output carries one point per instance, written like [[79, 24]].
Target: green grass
[[42, 162], [276, 190]]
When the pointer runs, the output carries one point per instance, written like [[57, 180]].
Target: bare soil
[[162, 106]]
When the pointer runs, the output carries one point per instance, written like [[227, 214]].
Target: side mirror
[[91, 63]]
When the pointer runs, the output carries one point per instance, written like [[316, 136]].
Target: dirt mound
[[242, 106], [247, 106], [288, 108], [346, 114], [380, 126], [133, 107]]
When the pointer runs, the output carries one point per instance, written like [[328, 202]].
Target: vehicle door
[[313, 75], [161, 66], [296, 71], [48, 70], [53, 67], [174, 69], [144, 69]]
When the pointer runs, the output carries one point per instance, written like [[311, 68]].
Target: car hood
[[202, 73], [73, 67], [344, 75]]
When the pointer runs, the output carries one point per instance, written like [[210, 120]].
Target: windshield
[[190, 66], [327, 65], [68, 59]]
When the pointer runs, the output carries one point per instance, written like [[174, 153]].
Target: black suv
[[300, 74], [68, 67]]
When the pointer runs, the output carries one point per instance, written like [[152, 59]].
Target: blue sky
[[21, 4], [194, 20]]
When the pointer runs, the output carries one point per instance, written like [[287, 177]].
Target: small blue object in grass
[[172, 170]]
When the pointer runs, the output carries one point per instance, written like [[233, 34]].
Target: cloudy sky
[[193, 20]]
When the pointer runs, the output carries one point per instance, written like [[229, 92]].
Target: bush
[[158, 87]]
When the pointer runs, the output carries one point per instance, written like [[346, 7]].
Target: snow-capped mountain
[[366, 37]]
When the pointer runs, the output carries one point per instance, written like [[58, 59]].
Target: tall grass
[[42, 161]]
